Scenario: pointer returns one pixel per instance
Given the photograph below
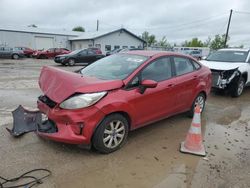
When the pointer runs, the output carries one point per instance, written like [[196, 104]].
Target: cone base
[[202, 152]]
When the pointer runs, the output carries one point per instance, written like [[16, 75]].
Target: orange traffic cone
[[193, 143]]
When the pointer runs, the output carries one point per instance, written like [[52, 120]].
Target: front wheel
[[71, 62], [238, 88], [111, 134], [199, 100]]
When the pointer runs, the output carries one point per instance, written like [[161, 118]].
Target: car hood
[[216, 65], [58, 84]]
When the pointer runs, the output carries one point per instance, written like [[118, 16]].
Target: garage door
[[44, 43]]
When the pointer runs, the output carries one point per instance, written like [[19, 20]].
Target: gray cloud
[[177, 20]]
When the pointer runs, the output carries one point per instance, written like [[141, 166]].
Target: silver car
[[8, 52]]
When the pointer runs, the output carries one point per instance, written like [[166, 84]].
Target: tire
[[71, 62], [201, 100], [15, 56], [107, 132], [238, 87]]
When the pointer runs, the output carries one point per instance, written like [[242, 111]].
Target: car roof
[[149, 53], [234, 49]]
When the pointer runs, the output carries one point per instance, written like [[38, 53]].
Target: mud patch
[[229, 115]]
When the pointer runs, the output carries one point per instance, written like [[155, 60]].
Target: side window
[[107, 47], [58, 49], [182, 65], [84, 52], [90, 52], [159, 70], [196, 65]]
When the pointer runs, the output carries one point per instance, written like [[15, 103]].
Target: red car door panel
[[154, 103]]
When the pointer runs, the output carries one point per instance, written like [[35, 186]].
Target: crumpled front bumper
[[222, 82], [67, 126]]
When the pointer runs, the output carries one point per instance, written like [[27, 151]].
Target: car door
[[2, 52], [82, 57], [187, 80], [154, 103], [50, 53], [91, 55], [7, 52]]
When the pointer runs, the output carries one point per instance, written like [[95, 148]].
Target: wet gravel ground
[[151, 157]]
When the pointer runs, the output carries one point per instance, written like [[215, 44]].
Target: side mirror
[[147, 84]]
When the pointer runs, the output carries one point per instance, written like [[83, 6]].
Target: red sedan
[[50, 53], [117, 94]]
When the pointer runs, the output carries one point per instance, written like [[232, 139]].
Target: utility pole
[[97, 25], [228, 26]]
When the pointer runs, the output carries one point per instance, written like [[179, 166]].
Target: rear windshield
[[228, 56], [114, 67]]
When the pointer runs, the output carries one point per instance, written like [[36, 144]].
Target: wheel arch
[[245, 76], [123, 113]]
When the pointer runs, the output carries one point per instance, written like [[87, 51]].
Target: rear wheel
[[238, 88], [111, 134], [199, 100], [71, 62], [15, 56]]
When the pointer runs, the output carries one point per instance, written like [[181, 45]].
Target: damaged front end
[[223, 79]]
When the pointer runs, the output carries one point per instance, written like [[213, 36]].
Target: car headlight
[[62, 58], [82, 100]]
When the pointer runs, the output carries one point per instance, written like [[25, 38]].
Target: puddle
[[229, 115]]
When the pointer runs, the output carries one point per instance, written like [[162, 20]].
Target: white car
[[230, 69]]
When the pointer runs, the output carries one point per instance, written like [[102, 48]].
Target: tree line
[[214, 43]]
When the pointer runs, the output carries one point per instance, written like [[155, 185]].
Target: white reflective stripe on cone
[[196, 119], [195, 130]]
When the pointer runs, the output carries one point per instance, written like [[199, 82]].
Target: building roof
[[98, 34], [39, 30]]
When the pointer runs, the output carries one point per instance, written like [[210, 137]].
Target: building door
[[44, 43]]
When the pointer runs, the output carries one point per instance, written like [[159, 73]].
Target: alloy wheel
[[200, 101], [114, 134]]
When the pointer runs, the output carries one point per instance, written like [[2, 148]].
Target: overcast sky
[[178, 20]]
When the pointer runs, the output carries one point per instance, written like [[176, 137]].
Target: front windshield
[[115, 67], [74, 52], [228, 56]]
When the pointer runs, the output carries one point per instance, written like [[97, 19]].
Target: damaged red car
[[119, 93]]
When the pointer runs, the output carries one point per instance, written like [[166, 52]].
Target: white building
[[107, 40], [37, 38]]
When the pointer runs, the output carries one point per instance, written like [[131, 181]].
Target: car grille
[[47, 101]]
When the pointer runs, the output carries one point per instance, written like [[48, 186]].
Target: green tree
[[150, 39], [207, 42], [164, 43], [195, 42], [218, 42], [78, 28], [32, 25]]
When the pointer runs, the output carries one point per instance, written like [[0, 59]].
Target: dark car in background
[[27, 51], [8, 52], [79, 56], [50, 53]]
